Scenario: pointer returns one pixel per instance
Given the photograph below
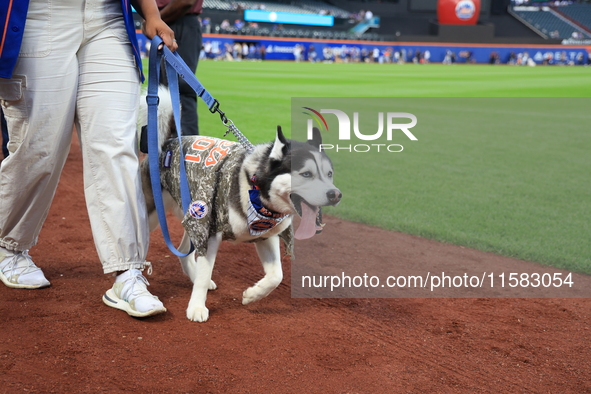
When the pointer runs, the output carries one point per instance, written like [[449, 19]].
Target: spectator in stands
[[147, 47], [449, 57], [388, 55], [512, 59], [245, 51], [262, 52], [226, 53], [348, 54], [375, 55], [207, 49], [237, 51], [238, 24], [524, 59], [336, 53], [183, 19], [328, 54], [494, 58], [312, 55], [206, 25], [417, 57], [217, 51], [343, 54], [144, 48], [297, 53], [225, 25], [364, 55], [355, 54], [467, 55]]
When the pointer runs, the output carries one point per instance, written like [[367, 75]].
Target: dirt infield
[[63, 339]]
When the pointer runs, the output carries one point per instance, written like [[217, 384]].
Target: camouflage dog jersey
[[213, 169]]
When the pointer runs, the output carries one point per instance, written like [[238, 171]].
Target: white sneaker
[[130, 294], [18, 271]]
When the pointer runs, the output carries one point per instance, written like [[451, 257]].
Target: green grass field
[[492, 169]]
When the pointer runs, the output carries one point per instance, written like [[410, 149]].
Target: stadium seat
[[546, 21], [580, 13]]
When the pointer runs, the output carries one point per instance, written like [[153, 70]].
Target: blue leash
[[175, 66]]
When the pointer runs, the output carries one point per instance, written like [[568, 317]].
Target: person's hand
[[157, 27]]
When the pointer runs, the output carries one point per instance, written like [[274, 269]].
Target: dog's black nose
[[334, 196]]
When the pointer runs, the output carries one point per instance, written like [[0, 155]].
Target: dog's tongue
[[307, 228]]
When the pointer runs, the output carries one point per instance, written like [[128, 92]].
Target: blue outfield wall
[[283, 48]]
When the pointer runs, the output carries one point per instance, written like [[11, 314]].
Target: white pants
[[76, 67]]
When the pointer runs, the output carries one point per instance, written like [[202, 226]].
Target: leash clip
[[215, 107]]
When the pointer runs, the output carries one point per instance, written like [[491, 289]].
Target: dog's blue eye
[[306, 174]]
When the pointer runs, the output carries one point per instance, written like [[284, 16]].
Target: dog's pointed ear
[[278, 150], [316, 140]]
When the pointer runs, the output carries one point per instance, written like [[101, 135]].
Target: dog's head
[[298, 179]]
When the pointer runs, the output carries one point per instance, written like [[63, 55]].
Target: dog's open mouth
[[311, 222]]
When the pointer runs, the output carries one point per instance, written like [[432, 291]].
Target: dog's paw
[[198, 314], [251, 294], [212, 285]]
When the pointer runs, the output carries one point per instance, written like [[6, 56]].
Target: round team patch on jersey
[[198, 209], [262, 225]]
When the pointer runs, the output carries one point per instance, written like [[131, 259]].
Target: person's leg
[[106, 116], [38, 103], [187, 32]]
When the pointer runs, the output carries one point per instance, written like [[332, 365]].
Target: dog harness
[[213, 167]]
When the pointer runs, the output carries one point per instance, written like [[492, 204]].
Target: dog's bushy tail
[[165, 115]]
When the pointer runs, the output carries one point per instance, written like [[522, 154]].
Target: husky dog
[[240, 196]]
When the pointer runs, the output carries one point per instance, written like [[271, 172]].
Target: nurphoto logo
[[348, 131]]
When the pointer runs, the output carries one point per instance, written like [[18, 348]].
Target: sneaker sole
[[12, 285], [111, 299]]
